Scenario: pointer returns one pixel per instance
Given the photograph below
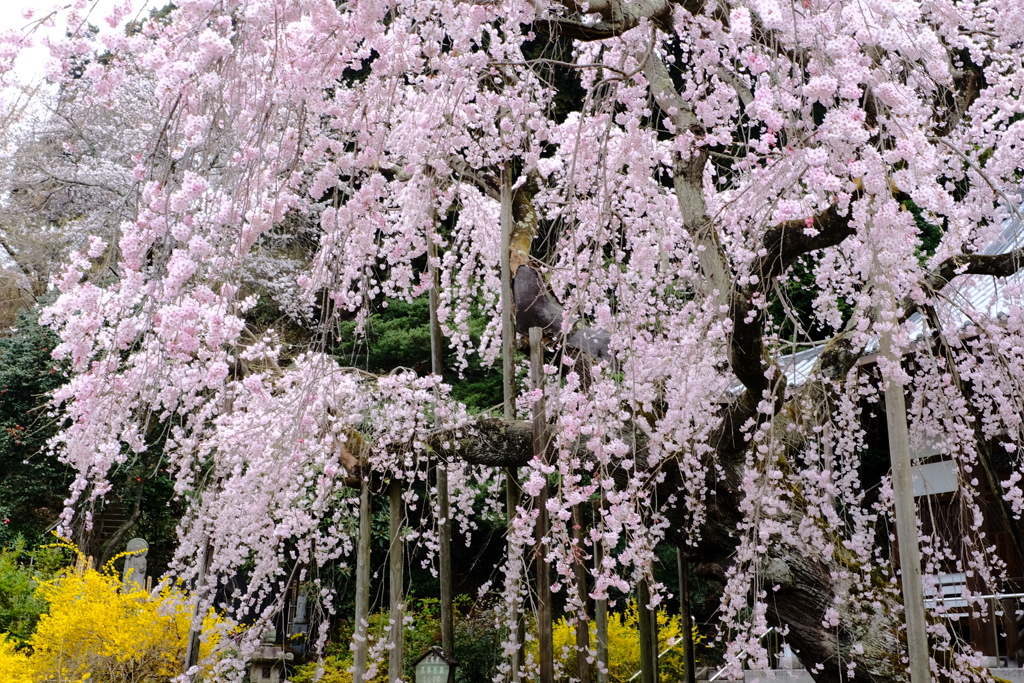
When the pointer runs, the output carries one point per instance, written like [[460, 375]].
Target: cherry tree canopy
[[666, 165]]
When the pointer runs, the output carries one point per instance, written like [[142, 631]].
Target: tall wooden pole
[[396, 658], [192, 647], [362, 642], [443, 508], [684, 616], [601, 620], [906, 522], [648, 634], [582, 622], [545, 640], [513, 493]]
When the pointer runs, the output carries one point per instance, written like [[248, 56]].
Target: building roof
[[961, 302]]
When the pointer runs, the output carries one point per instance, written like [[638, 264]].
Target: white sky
[[31, 66]]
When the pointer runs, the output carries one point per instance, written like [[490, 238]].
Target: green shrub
[[21, 572], [477, 644]]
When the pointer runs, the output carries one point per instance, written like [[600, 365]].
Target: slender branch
[[617, 18], [999, 265]]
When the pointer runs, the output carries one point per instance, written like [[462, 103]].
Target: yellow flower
[[623, 645], [14, 665], [99, 627]]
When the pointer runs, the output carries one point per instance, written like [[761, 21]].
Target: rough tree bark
[[806, 587]]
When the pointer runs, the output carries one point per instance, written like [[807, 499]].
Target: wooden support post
[[513, 493], [362, 643], [443, 507], [652, 614], [545, 645], [601, 621], [648, 634], [685, 617], [508, 330], [396, 658], [445, 569], [906, 523], [192, 646], [582, 620]]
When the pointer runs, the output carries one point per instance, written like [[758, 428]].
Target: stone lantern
[[267, 664], [434, 667]]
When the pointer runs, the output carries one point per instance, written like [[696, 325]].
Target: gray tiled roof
[[965, 299]]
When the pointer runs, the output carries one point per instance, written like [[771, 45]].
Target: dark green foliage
[[478, 646], [33, 481], [398, 336], [477, 642], [930, 234], [19, 608], [20, 574], [705, 599], [423, 633], [793, 316], [33, 484]]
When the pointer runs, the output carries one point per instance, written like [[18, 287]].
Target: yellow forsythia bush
[[623, 645], [14, 665], [95, 632]]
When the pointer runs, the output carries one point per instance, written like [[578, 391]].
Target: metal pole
[[906, 523]]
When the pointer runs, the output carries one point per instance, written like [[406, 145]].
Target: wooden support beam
[[444, 531], [513, 493], [648, 634], [362, 643], [601, 621], [192, 646], [545, 645], [396, 658], [906, 523], [582, 620], [685, 617]]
